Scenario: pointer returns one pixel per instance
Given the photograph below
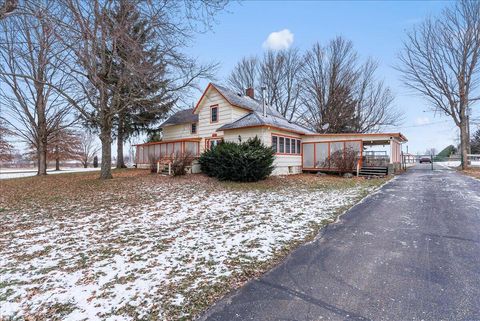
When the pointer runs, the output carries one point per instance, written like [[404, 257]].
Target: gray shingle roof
[[256, 119], [181, 117], [244, 101]]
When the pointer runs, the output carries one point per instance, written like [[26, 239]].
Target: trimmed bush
[[249, 161]]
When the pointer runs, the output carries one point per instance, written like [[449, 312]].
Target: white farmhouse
[[223, 114]]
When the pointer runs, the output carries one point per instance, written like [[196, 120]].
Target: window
[[194, 128], [214, 114], [286, 145], [274, 143]]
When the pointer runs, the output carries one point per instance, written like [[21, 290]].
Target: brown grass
[[27, 205], [127, 187], [475, 172]]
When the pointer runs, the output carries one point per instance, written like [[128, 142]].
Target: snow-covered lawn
[[455, 164], [148, 246]]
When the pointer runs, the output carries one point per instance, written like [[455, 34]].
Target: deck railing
[[375, 160]]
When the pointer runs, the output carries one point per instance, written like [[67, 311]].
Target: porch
[[376, 154], [165, 151]]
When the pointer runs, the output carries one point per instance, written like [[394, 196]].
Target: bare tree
[[87, 149], [279, 72], [87, 33], [439, 60], [341, 94], [431, 151], [63, 144], [245, 74], [30, 66]]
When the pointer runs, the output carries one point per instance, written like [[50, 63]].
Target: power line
[[421, 125]]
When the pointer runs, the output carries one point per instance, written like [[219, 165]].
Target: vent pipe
[[264, 107]]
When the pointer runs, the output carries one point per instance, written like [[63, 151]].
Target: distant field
[[7, 173], [145, 246]]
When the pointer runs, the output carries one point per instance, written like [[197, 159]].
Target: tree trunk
[[42, 156], [85, 164], [57, 159], [120, 161], [464, 143], [106, 139]]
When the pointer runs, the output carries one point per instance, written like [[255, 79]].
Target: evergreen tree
[[145, 101], [475, 142], [248, 161], [6, 149]]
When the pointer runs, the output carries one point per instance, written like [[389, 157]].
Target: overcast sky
[[376, 29]]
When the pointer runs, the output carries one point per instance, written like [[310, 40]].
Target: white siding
[[286, 164], [226, 114], [178, 132], [246, 133]]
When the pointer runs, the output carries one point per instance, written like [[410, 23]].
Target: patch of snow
[[8, 173], [101, 264]]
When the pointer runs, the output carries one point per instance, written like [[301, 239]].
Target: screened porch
[[321, 155], [157, 151]]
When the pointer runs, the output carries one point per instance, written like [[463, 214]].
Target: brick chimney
[[250, 93]]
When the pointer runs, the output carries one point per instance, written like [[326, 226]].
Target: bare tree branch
[[439, 61]]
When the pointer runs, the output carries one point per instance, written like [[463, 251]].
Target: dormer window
[[214, 114], [194, 128]]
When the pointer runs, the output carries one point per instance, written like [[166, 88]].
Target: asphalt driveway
[[409, 252]]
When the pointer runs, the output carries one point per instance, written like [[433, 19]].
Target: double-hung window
[[275, 143], [213, 114]]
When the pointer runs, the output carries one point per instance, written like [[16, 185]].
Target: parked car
[[425, 159]]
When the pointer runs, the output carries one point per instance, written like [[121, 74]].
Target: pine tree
[[6, 149], [475, 142], [146, 100]]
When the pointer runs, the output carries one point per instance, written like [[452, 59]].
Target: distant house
[[223, 114]]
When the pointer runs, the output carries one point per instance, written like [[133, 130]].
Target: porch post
[[392, 150]]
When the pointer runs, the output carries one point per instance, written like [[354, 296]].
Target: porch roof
[[367, 138]]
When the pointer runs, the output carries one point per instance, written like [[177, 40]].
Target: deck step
[[373, 171]]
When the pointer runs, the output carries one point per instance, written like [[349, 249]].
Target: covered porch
[[154, 152], [377, 153]]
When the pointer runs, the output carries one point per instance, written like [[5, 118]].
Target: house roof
[[256, 119], [181, 117], [377, 136], [240, 100]]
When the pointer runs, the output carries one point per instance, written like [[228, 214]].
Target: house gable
[[226, 112]]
